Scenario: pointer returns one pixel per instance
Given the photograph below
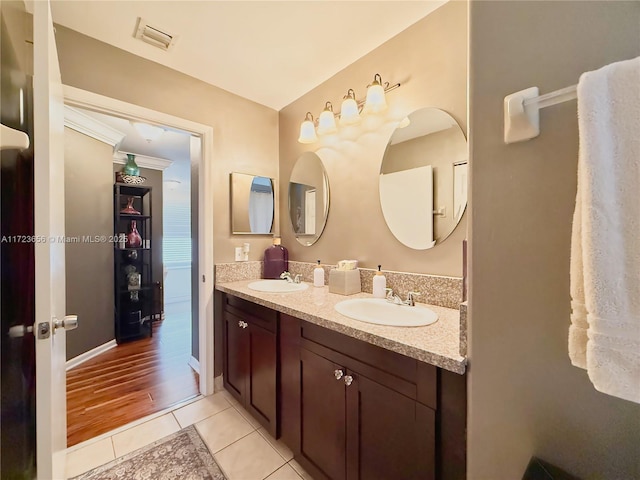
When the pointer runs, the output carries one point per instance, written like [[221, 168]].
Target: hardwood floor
[[131, 380]]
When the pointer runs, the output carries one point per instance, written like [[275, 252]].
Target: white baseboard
[[83, 357], [195, 364]]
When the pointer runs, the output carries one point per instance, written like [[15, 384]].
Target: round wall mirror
[[423, 178], [308, 198]]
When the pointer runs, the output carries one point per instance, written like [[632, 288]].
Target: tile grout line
[[113, 447]]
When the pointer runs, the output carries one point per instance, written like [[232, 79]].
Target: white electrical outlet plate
[[239, 254]]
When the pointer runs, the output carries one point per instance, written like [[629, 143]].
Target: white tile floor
[[241, 447]]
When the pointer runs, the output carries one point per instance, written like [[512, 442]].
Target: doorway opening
[[111, 386]]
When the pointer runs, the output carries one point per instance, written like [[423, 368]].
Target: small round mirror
[[423, 178], [308, 198]]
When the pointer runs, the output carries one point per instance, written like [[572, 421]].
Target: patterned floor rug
[[181, 456]]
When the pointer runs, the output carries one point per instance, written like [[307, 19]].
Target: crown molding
[[83, 123], [143, 161]]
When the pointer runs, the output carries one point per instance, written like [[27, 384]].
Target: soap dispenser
[[318, 276], [276, 260], [379, 284]]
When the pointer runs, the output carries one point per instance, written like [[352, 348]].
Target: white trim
[[92, 127], [83, 357], [195, 364], [93, 101], [143, 161]]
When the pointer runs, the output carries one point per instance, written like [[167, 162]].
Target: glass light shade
[[308, 130], [327, 123], [349, 114], [376, 101]]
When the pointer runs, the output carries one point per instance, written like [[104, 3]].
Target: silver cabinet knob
[[348, 380], [338, 374], [70, 322], [242, 324]]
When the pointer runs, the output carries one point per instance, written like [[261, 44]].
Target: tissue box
[[344, 282]]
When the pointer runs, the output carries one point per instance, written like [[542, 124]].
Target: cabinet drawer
[[252, 312]]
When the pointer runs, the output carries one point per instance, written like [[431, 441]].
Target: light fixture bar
[[360, 103], [325, 125]]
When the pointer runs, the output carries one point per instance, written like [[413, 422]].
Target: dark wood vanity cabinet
[[348, 410], [250, 358], [364, 413], [355, 428]]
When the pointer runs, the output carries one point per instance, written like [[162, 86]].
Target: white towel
[[604, 336]]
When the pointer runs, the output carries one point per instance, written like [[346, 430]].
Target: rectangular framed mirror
[[252, 204]]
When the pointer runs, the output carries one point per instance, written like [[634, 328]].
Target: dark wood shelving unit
[[134, 300]]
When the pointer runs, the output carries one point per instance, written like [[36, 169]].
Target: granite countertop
[[437, 344]]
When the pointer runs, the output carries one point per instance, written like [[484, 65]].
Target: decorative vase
[[129, 208], [134, 239], [130, 167]]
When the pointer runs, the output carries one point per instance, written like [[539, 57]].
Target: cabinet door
[[261, 388], [235, 355], [322, 428], [389, 436]]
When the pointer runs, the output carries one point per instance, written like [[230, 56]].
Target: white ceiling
[[172, 145], [271, 52]]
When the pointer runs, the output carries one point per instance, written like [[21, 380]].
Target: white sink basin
[[277, 286], [381, 312]]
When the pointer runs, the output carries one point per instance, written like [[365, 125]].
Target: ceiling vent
[[154, 35]]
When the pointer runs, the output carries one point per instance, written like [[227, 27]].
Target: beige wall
[[430, 60], [245, 133], [525, 398], [88, 181]]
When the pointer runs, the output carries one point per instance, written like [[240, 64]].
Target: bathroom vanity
[[352, 400]]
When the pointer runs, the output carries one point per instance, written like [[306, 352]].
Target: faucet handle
[[411, 300], [286, 276], [389, 291]]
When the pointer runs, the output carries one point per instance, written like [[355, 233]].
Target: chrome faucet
[[393, 298], [287, 276], [396, 300]]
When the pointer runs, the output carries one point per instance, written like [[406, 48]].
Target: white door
[[51, 407]]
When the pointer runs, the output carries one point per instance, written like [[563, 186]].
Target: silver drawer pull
[[348, 380], [338, 374]]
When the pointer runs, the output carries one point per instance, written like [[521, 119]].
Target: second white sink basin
[[381, 312], [277, 286]]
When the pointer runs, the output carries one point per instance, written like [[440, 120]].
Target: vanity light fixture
[[307, 130], [350, 113], [148, 132], [327, 120], [376, 101]]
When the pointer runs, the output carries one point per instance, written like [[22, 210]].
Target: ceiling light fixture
[[350, 113], [307, 130], [148, 132]]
